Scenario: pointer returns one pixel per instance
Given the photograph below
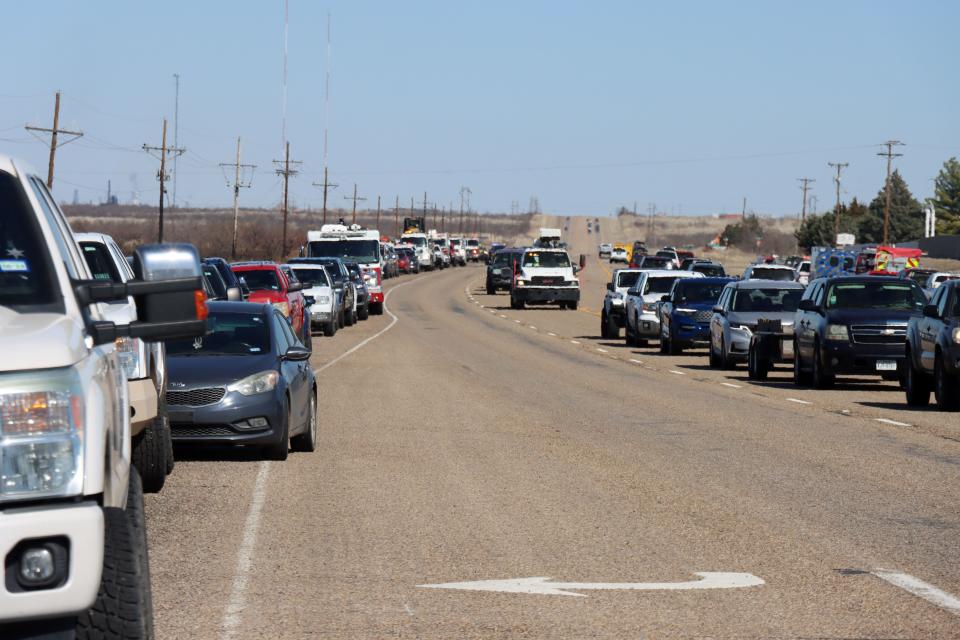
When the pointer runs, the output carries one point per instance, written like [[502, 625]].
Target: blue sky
[[586, 105]]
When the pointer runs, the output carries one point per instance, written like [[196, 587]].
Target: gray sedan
[[741, 305]]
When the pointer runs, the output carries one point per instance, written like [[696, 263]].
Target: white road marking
[[797, 400], [408, 609], [893, 422], [541, 586], [517, 321], [601, 350], [503, 316], [679, 373], [635, 361], [574, 342], [551, 333], [731, 385], [248, 543], [530, 326], [921, 589]]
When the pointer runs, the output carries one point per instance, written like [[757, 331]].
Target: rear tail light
[[200, 302]]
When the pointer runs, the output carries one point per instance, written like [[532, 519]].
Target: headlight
[[617, 302], [955, 334], [837, 332], [649, 307], [744, 328], [130, 352], [282, 307], [495, 272], [41, 434], [257, 383], [520, 282], [323, 299]]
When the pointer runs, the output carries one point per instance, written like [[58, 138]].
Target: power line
[[889, 144], [238, 183], [326, 185], [162, 173], [54, 132], [285, 171], [355, 199], [806, 186]]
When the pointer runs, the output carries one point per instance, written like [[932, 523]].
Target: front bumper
[[222, 422], [849, 358], [547, 294], [689, 332], [82, 525], [320, 315], [143, 403], [648, 326]]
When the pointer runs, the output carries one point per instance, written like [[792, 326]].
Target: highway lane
[[462, 445]]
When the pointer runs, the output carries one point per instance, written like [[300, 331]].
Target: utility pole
[[839, 166], [378, 214], [396, 216], [355, 199], [285, 171], [326, 185], [464, 191], [238, 183], [176, 133], [54, 132], [806, 186], [889, 144], [425, 205], [162, 174], [651, 211], [744, 214]]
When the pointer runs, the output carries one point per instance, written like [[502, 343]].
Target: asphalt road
[[463, 441]]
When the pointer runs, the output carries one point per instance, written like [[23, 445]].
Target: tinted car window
[[709, 270], [627, 279], [229, 333], [503, 258], [546, 259], [99, 262], [26, 271], [216, 282], [260, 279], [900, 296], [956, 304], [693, 291], [763, 273], [316, 277], [752, 300], [659, 285], [656, 262], [280, 340]]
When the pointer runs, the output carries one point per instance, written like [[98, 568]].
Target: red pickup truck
[[268, 284]]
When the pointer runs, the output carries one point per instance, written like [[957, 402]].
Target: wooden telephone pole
[[840, 166], [285, 171], [326, 185], [54, 133], [889, 144], [806, 187], [162, 176], [396, 216], [355, 199], [238, 183]]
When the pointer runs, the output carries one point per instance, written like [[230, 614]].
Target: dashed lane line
[[731, 385], [895, 423], [678, 373], [634, 361], [798, 401], [921, 589], [550, 333], [574, 342], [602, 350]]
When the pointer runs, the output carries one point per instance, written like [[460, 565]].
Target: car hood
[[213, 371], [870, 316], [699, 306], [316, 292], [39, 340]]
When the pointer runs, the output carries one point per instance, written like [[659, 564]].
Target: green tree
[[906, 215], [947, 198], [818, 230], [743, 234]]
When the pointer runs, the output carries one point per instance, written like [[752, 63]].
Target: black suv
[[853, 325], [500, 269], [360, 284], [933, 350]]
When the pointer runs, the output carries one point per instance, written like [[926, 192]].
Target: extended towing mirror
[[167, 291], [234, 294], [665, 298], [808, 305], [931, 311]]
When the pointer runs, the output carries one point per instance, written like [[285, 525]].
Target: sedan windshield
[[233, 334], [260, 279], [694, 292], [752, 300], [628, 279], [894, 296], [546, 259], [312, 277], [765, 273]]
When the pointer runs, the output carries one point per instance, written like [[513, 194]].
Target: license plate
[[787, 348], [180, 416], [886, 365]]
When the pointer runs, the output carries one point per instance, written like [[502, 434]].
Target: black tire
[[714, 359], [627, 335], [124, 604], [946, 387], [573, 307], [821, 379], [350, 318], [281, 448], [673, 348], [491, 290], [757, 368], [306, 442], [516, 304], [148, 455], [726, 362], [800, 377], [608, 326], [376, 308], [330, 328], [363, 312], [168, 441], [918, 386], [664, 344]]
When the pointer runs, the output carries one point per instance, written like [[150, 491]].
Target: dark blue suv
[[686, 311]]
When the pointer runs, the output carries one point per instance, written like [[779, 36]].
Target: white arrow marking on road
[[541, 586]]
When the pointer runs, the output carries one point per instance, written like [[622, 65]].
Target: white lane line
[[635, 361], [517, 321], [530, 326], [602, 350], [679, 373], [731, 385], [797, 400], [551, 333], [241, 576], [893, 422], [503, 316], [921, 589], [574, 342]]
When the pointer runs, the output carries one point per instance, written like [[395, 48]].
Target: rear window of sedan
[[229, 334]]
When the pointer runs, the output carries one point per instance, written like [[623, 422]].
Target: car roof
[[764, 265], [93, 236], [766, 284], [306, 265], [864, 279], [255, 266], [716, 280], [671, 273]]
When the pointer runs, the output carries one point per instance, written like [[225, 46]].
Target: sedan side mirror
[[297, 354], [234, 294], [718, 309], [294, 287], [665, 298], [808, 305], [931, 311]]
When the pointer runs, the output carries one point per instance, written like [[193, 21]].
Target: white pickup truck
[[612, 316], [71, 507], [545, 276]]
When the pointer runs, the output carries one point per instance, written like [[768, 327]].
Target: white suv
[[71, 507], [641, 308]]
